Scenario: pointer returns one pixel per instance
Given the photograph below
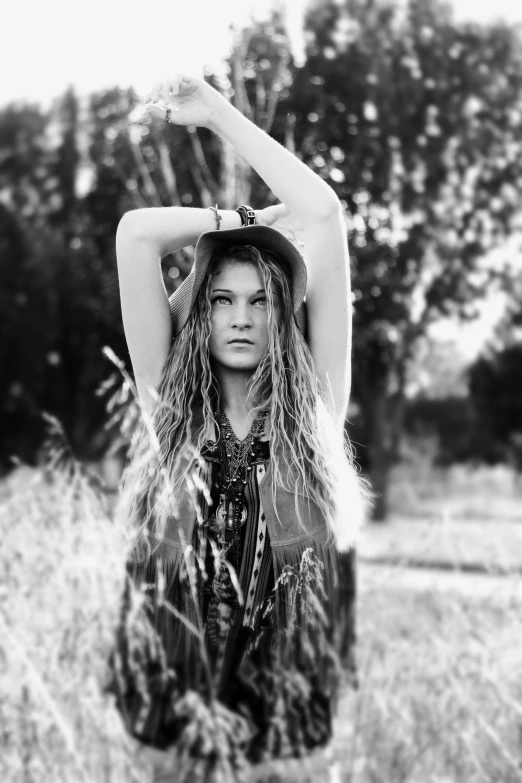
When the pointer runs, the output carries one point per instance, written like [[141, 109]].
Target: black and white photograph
[[261, 392]]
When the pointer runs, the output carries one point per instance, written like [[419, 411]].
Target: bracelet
[[218, 216], [247, 215]]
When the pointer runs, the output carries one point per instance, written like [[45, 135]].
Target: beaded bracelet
[[218, 216]]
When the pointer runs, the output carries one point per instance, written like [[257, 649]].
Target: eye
[[261, 299], [220, 299]]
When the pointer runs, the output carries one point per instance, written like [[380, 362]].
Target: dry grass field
[[440, 665]]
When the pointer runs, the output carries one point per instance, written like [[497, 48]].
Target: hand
[[192, 101], [279, 216], [270, 215]]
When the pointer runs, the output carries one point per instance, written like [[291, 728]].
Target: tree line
[[413, 119]]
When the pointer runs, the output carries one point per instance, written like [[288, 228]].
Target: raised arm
[[314, 203], [143, 237]]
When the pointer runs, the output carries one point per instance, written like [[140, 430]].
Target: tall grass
[[441, 687], [440, 696], [61, 571]]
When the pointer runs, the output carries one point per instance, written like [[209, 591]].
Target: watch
[[247, 215]]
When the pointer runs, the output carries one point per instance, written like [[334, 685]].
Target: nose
[[241, 316]]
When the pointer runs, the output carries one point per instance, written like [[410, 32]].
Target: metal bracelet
[[247, 214], [218, 216]]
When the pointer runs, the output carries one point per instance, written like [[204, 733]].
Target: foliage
[[451, 420], [494, 383], [59, 293], [413, 119]]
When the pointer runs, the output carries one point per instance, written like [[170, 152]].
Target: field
[[440, 660]]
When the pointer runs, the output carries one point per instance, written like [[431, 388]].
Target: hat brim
[[261, 237], [264, 238]]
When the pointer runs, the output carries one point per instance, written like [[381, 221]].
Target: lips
[[240, 342]]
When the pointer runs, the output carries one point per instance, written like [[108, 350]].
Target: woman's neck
[[234, 393], [234, 400]]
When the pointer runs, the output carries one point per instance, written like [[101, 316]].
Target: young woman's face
[[239, 316]]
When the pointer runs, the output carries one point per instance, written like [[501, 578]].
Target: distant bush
[[495, 381], [466, 429], [451, 419]]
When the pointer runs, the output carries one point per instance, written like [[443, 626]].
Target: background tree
[[416, 123], [66, 179], [59, 295]]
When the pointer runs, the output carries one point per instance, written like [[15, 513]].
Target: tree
[[415, 121], [66, 178], [59, 297]]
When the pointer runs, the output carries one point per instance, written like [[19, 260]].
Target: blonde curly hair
[[318, 459]]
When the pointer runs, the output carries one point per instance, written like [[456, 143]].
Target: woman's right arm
[[143, 237]]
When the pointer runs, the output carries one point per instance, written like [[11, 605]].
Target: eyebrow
[[228, 291]]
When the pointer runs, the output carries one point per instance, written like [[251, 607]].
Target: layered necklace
[[236, 460]]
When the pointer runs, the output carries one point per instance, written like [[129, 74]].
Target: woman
[[241, 492]]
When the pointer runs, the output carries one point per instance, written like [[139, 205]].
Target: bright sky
[[45, 46]]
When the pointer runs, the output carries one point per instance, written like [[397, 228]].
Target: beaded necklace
[[236, 459]]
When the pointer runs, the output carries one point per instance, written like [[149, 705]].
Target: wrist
[[229, 219], [220, 109]]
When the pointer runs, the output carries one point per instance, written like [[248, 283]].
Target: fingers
[[275, 213], [162, 91], [156, 109], [154, 93], [174, 94], [176, 83], [281, 210], [159, 110], [166, 89]]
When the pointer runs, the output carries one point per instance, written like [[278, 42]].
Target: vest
[[306, 572], [279, 508], [289, 538]]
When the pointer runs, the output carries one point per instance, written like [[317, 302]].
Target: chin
[[239, 364], [244, 366]]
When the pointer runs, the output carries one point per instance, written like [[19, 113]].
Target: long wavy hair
[[317, 459]]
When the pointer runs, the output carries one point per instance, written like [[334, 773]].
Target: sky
[[46, 46]]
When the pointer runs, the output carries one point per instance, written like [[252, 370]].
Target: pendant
[[221, 511], [226, 512], [231, 512]]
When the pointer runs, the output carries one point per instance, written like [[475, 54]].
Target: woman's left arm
[[315, 205]]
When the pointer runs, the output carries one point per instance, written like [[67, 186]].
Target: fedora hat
[[261, 237]]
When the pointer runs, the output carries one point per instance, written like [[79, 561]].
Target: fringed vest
[[293, 544], [308, 617], [289, 537]]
